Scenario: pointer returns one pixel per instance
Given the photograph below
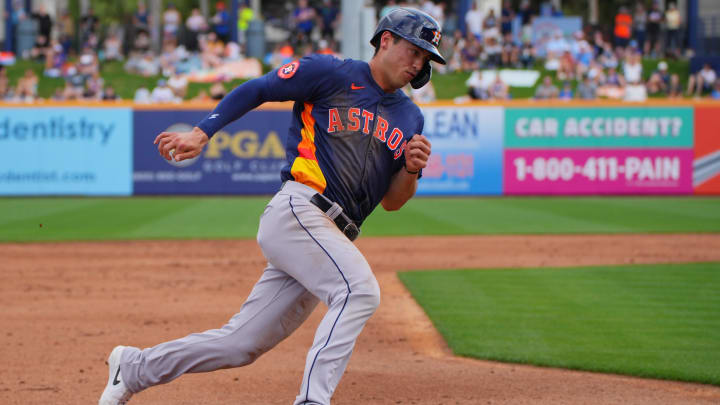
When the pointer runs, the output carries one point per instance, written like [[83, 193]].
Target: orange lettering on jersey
[[368, 116], [399, 150], [381, 129], [335, 123], [395, 138], [354, 124]]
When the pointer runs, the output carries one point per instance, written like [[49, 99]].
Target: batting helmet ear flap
[[423, 77]]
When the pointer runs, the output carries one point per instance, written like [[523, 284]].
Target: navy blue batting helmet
[[419, 29]]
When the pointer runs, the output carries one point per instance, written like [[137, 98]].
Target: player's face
[[404, 61]]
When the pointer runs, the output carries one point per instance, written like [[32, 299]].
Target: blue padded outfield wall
[[65, 151], [536, 149]]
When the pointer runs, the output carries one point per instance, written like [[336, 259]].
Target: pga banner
[[65, 151], [244, 158]]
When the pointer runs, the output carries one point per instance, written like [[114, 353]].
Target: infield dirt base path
[[64, 306]]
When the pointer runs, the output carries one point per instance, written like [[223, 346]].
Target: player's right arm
[[300, 80]]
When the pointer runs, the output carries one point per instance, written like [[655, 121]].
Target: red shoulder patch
[[288, 70]]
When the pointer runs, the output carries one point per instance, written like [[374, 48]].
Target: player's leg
[[298, 236], [276, 306]]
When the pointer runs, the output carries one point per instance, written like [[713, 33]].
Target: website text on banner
[[244, 158], [628, 150], [466, 154], [706, 166], [65, 151]]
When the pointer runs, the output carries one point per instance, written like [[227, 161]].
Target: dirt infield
[[64, 306]]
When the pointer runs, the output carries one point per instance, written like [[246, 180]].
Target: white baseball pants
[[309, 259]]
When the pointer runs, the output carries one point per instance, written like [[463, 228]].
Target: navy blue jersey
[[347, 135]]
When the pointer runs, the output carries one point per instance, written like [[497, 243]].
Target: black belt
[[334, 211]]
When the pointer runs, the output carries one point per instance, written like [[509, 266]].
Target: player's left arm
[[404, 183]]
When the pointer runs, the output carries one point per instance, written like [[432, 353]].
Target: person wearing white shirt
[[632, 69], [474, 21], [702, 80], [162, 93]]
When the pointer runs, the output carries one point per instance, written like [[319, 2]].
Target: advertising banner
[[706, 167], [598, 171], [467, 149], [65, 151], [599, 127], [244, 158]]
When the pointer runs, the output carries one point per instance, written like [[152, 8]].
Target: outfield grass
[[237, 217], [658, 321]]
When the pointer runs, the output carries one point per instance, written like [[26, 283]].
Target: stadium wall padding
[[513, 149]]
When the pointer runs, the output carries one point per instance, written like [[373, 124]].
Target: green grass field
[[659, 321], [237, 217]]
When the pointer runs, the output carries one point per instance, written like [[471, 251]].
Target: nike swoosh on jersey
[[354, 87]]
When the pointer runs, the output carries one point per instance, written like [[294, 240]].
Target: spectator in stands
[[221, 23], [44, 23], [94, 87], [470, 53], [623, 27], [142, 42], [510, 52], [425, 94], [109, 94], [4, 83], [178, 84], [715, 93], [26, 89], [88, 62], [75, 84], [659, 80], [675, 88], [196, 25], [171, 22], [162, 93], [702, 81], [39, 50], [493, 52], [304, 20], [141, 18], [212, 51], [507, 15], [328, 19], [640, 20], [490, 25], [217, 90], [587, 89], [547, 90], [613, 86], [566, 93], [66, 30], [245, 15], [654, 20], [477, 89], [526, 14], [672, 24], [474, 21], [527, 54], [608, 58], [498, 89], [635, 92], [632, 68], [567, 68], [113, 47], [142, 96]]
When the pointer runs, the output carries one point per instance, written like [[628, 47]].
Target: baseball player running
[[355, 142]]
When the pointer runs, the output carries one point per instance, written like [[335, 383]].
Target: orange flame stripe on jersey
[[305, 168]]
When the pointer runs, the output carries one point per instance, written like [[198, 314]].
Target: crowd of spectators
[[588, 64]]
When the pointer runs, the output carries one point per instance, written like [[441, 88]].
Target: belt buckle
[[351, 231]]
